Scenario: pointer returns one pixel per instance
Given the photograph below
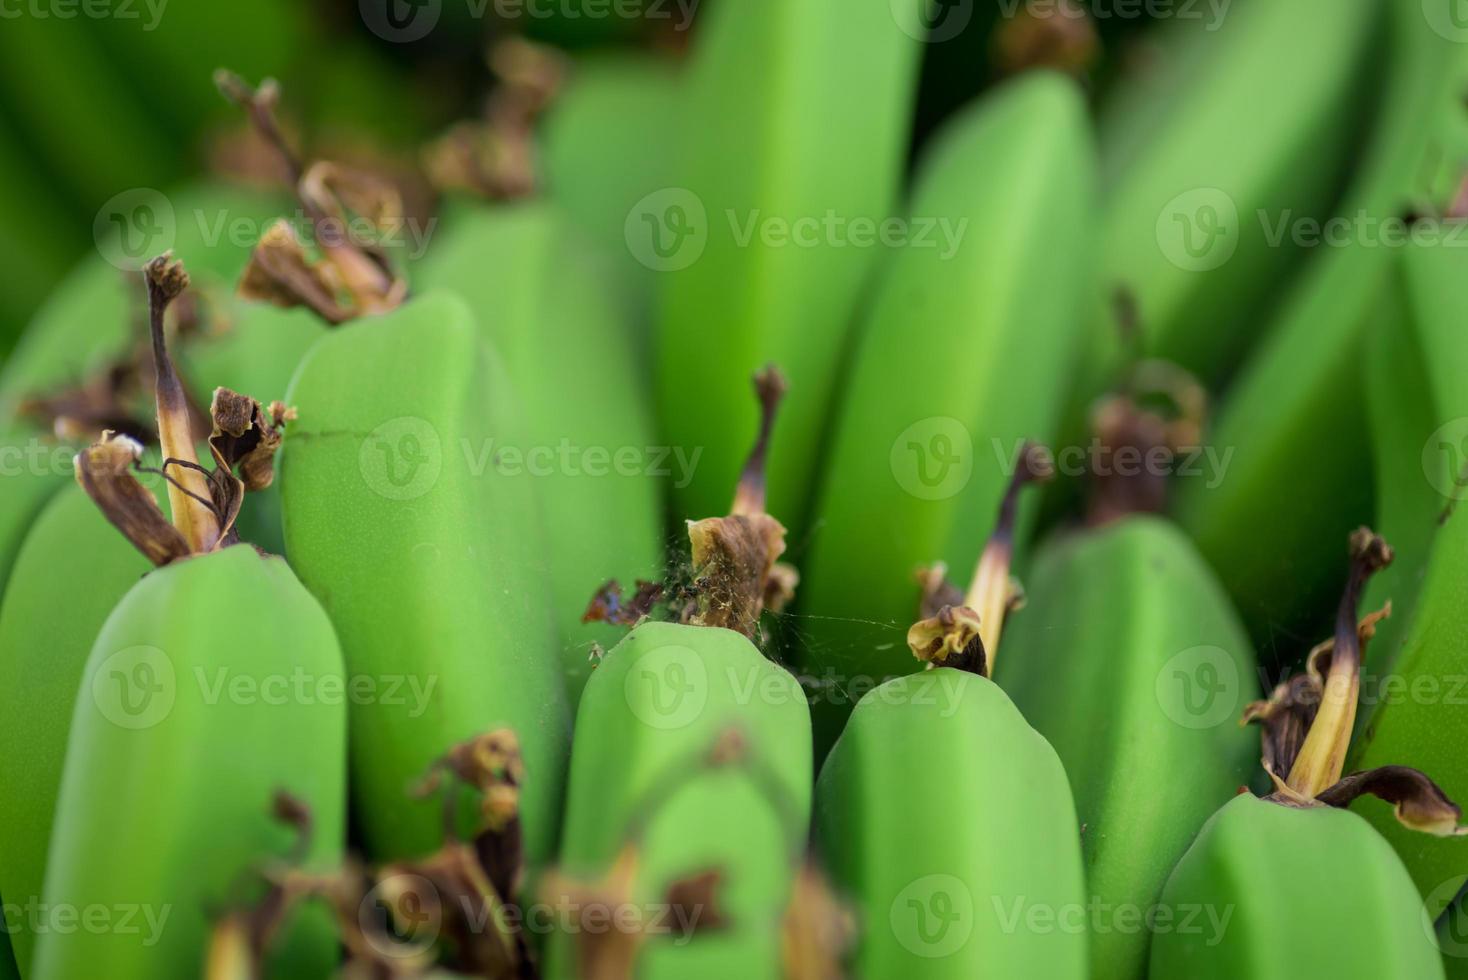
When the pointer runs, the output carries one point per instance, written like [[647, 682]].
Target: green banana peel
[[1314, 890], [1130, 661], [753, 272], [401, 519], [1285, 413], [933, 459], [539, 297]]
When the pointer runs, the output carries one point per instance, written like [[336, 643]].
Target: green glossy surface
[[802, 110], [72, 571], [590, 447], [656, 705], [920, 457], [947, 821], [1274, 892], [1129, 659], [428, 558], [202, 689]]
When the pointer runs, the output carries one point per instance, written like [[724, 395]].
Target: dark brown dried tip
[[1420, 804], [1131, 422], [105, 471], [734, 558], [950, 638], [769, 389], [260, 104], [609, 606], [1059, 36]]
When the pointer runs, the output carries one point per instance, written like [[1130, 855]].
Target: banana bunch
[[922, 459], [1285, 414], [690, 774], [923, 802], [175, 735], [768, 240], [1189, 207], [1312, 889], [1128, 660], [542, 300]]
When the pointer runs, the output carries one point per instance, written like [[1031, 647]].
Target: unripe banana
[[595, 144], [203, 686], [650, 798], [1307, 888], [690, 774], [1183, 162], [992, 883], [70, 574], [1419, 406], [1129, 659], [32, 480], [154, 772], [932, 459], [399, 519], [1270, 891], [1285, 414], [761, 73], [543, 303]]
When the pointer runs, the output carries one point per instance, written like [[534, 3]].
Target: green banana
[[948, 749], [594, 144], [1417, 400], [1309, 889], [1169, 660], [689, 793], [1285, 414], [1189, 207], [203, 685], [30, 467], [399, 518], [539, 296], [748, 278], [1004, 304], [72, 571]]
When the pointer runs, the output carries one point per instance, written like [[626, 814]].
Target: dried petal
[[105, 472], [817, 929], [950, 639], [608, 606], [1420, 803]]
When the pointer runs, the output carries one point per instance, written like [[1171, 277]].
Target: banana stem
[[188, 487], [1322, 757], [990, 593], [749, 496]]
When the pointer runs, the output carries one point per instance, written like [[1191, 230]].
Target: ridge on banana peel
[[923, 801], [154, 755], [1124, 628], [933, 459], [1314, 889], [690, 771], [760, 74], [1284, 414]]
